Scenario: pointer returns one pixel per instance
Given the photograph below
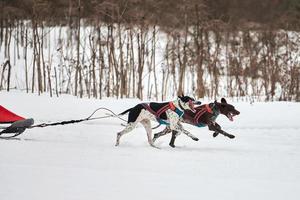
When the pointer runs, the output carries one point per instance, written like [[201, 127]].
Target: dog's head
[[226, 109], [186, 103]]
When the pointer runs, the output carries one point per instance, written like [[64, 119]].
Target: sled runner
[[17, 123]]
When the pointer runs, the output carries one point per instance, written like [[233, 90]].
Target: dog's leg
[[162, 133], [214, 127], [217, 128], [226, 134], [177, 130], [174, 126], [173, 138], [147, 125], [129, 127], [189, 134]]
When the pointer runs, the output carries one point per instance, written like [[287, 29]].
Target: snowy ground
[[81, 162]]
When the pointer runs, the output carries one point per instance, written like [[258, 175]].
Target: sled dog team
[[184, 109]]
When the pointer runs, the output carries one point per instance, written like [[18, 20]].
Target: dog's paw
[[231, 136], [215, 134], [172, 145], [152, 145]]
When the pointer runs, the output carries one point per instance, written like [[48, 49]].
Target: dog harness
[[163, 109], [204, 109]]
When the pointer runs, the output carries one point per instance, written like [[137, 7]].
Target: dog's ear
[[180, 96], [223, 100]]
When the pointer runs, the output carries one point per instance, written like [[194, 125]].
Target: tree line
[[111, 48]]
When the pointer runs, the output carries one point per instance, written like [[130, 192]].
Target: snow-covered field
[[81, 162]]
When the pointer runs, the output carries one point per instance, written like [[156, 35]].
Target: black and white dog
[[168, 113]]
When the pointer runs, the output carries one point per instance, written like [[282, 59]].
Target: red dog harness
[[163, 109], [200, 112]]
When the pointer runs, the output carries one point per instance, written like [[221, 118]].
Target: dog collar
[[175, 109], [172, 106], [214, 110]]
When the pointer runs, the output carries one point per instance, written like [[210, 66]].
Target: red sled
[[17, 123]]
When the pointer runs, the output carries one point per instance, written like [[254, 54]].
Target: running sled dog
[[168, 113], [205, 115]]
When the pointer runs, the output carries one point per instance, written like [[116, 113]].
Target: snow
[[80, 161]]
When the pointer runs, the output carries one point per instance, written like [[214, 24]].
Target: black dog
[[167, 113], [205, 115]]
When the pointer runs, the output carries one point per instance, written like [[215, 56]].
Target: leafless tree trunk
[[108, 79], [34, 56], [77, 70], [132, 63], [8, 75], [141, 60], [56, 82], [153, 61], [198, 40], [25, 60], [7, 63], [101, 61], [122, 68]]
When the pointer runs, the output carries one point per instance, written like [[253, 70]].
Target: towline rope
[[80, 120]]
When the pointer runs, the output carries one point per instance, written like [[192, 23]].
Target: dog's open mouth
[[230, 116]]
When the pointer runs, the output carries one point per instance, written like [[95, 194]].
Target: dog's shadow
[[184, 148]]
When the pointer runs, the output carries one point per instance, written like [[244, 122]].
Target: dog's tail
[[126, 111]]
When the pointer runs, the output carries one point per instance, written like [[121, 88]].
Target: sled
[[16, 128], [17, 124]]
